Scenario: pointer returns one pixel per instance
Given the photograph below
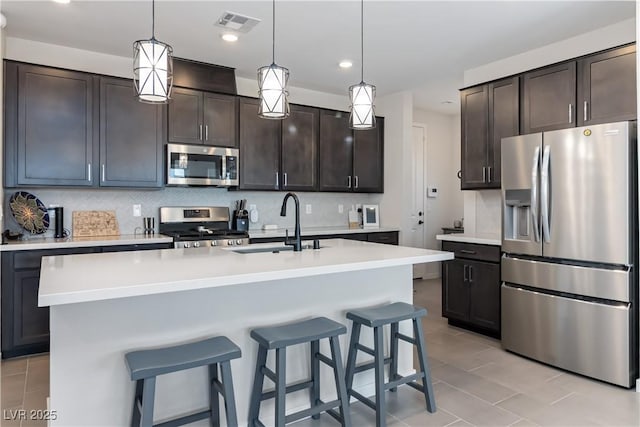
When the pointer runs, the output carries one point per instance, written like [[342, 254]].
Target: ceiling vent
[[237, 22]]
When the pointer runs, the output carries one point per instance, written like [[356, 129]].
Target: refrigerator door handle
[[544, 194], [534, 194]]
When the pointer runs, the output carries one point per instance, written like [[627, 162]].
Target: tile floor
[[475, 382]]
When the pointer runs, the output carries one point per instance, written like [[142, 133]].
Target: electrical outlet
[[340, 208], [308, 209], [137, 210]]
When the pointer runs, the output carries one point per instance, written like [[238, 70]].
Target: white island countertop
[[83, 242], [317, 231], [128, 274], [478, 238]]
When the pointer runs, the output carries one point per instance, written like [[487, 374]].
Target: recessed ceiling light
[[62, 1], [345, 64], [228, 37]]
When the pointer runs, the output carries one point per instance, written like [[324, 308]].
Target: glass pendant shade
[[272, 90], [152, 70], [363, 114]]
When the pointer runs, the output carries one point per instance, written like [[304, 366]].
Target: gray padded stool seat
[[376, 318], [146, 365], [279, 338]]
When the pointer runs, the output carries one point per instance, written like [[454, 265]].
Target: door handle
[[484, 174], [277, 180], [467, 251], [349, 183], [356, 181], [420, 222], [534, 194], [585, 109], [465, 276], [200, 138], [420, 213], [206, 132], [544, 194], [103, 173], [89, 172], [570, 113], [470, 273], [285, 179], [488, 173]]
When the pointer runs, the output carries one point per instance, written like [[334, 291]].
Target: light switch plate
[[137, 210], [308, 209]]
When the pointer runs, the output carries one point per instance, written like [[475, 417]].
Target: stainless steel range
[[195, 227]]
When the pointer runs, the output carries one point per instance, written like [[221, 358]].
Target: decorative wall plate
[[29, 212]]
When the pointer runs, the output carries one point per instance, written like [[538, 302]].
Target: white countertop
[[316, 231], [479, 238], [79, 242], [128, 274]]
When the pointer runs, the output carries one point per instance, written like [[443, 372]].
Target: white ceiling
[[423, 46]]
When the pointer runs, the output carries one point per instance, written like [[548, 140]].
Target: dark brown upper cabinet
[[299, 164], [549, 98], [49, 126], [131, 137], [607, 87], [489, 113], [368, 159], [350, 160], [259, 149], [197, 117]]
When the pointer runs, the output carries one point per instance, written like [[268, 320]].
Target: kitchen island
[[104, 305]]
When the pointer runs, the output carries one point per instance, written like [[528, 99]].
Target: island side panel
[[89, 382]]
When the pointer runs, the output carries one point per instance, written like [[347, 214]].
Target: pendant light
[[363, 94], [152, 67], [272, 85]]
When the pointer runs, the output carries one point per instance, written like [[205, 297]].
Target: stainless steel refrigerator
[[569, 293]]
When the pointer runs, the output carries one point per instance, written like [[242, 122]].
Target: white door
[[418, 177]]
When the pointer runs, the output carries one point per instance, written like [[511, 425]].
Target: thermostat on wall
[[432, 192]]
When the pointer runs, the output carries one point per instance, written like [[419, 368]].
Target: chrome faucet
[[297, 242]]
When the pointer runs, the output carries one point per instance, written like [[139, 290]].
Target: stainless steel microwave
[[202, 165]]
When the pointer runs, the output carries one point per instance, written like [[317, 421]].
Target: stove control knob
[[230, 242], [196, 244], [239, 242], [187, 245], [214, 243]]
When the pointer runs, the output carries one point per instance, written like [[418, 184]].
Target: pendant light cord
[[153, 19], [273, 44], [361, 40]]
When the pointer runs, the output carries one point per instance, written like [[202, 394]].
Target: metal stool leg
[[214, 399], [352, 353], [229, 398], [381, 410], [427, 387], [148, 395], [256, 392], [281, 385], [341, 386], [393, 350], [314, 395], [136, 415]]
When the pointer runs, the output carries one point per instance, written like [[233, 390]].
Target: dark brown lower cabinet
[[471, 287], [25, 326]]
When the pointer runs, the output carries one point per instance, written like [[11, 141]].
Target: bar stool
[[376, 318], [279, 338], [146, 365]]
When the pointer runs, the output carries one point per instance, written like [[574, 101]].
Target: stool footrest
[[403, 380], [311, 411], [257, 423], [416, 386], [406, 338], [327, 361], [366, 349], [187, 419], [369, 365], [370, 403], [269, 373], [290, 389], [336, 415]]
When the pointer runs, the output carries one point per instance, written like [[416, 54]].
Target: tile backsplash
[[324, 206]]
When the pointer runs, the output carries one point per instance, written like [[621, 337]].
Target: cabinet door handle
[[488, 173], [356, 182], [585, 109], [570, 113], [200, 138], [285, 179], [484, 174], [470, 273], [467, 251], [464, 273], [89, 172], [206, 132], [349, 183], [103, 173], [277, 176]]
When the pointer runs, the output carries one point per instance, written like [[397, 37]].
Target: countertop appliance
[[202, 165], [240, 221], [195, 227], [570, 288]]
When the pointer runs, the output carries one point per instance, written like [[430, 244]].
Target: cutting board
[[95, 223]]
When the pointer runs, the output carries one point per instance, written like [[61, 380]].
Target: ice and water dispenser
[[517, 215]]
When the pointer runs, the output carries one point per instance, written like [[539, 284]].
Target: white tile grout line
[[562, 398], [455, 421]]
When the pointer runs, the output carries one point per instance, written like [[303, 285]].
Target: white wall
[[482, 208], [442, 164]]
